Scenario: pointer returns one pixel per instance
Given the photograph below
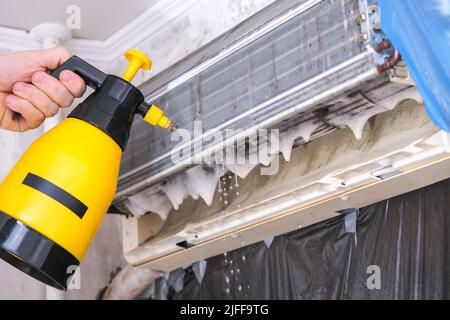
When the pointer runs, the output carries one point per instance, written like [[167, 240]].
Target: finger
[[6, 119], [52, 88], [9, 119], [3, 107], [37, 98], [33, 117], [52, 58], [12, 123], [73, 83]]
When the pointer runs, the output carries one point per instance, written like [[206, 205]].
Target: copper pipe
[[390, 62], [385, 44]]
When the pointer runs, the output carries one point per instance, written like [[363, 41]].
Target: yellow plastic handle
[[138, 60]]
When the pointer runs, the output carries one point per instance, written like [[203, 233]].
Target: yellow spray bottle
[[54, 199]]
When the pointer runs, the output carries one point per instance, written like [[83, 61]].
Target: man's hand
[[27, 89]]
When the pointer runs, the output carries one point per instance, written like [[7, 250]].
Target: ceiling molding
[[149, 24], [16, 40]]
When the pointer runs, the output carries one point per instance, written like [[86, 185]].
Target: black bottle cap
[[111, 108], [35, 254]]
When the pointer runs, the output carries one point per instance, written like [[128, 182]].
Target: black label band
[[56, 193]]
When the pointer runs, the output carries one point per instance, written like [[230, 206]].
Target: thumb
[[51, 59]]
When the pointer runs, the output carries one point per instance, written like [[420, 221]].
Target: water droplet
[[231, 261], [227, 279], [243, 258], [240, 288], [232, 271], [238, 270], [227, 290], [225, 202], [237, 193]]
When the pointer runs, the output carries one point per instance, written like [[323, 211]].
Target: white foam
[[242, 167], [195, 182], [176, 190], [241, 170], [356, 122], [202, 182], [149, 200], [287, 138]]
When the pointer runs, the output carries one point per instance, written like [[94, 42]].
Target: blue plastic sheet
[[420, 30]]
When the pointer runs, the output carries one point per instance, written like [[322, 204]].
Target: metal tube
[[326, 95]]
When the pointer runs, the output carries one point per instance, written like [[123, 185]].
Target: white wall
[[184, 34]]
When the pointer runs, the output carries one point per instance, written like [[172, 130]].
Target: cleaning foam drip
[[202, 181], [176, 190], [149, 200], [303, 130], [195, 182], [241, 170], [241, 167], [356, 122]]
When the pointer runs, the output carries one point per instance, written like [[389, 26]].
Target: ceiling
[[99, 19]]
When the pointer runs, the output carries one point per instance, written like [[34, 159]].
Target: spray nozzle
[[155, 116], [151, 113]]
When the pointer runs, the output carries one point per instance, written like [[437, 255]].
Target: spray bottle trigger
[[93, 77]]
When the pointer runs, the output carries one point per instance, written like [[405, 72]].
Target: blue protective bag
[[420, 30]]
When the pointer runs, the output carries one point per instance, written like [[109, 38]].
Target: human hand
[[27, 89]]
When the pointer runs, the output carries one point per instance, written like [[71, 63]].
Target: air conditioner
[[350, 134]]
